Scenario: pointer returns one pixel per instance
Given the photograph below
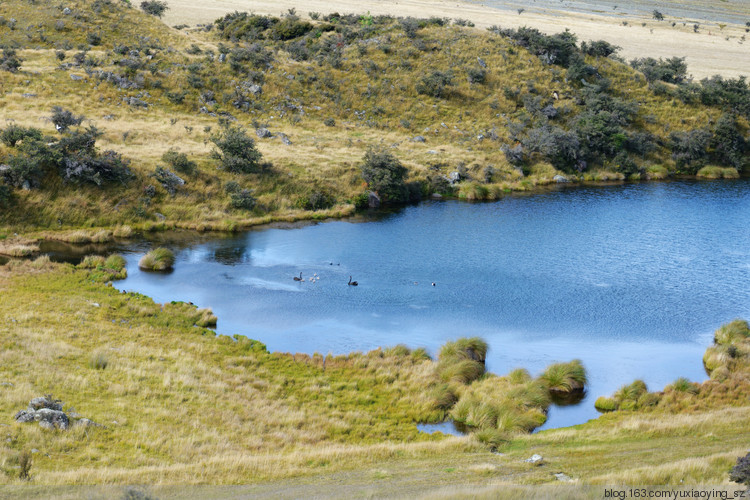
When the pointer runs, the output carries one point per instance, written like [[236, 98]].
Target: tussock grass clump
[[206, 318], [159, 259], [123, 232], [604, 404], [683, 385], [92, 262], [565, 377], [115, 262], [714, 172], [99, 361], [505, 404], [462, 361], [633, 396], [732, 333], [656, 172]]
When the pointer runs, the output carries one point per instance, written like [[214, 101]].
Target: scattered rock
[[373, 200], [76, 78], [110, 117], [436, 196], [563, 477], [419, 138], [481, 62], [285, 139], [161, 217], [28, 95], [263, 133], [66, 11], [560, 178], [535, 459], [222, 57], [134, 101], [454, 177], [34, 450], [432, 152], [254, 89], [50, 415], [46, 402]]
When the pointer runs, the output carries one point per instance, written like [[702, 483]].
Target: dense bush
[[154, 7], [672, 70], [179, 161], [63, 119], [236, 150], [243, 199], [436, 84], [728, 143], [560, 48], [385, 174], [477, 75], [255, 55], [599, 48], [6, 196], [740, 473], [98, 169], [13, 134], [690, 149], [9, 60]]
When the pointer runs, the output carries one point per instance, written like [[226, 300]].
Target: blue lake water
[[631, 279]]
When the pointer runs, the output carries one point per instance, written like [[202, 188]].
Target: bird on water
[[352, 283], [298, 278]]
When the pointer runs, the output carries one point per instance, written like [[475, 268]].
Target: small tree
[[436, 84], [385, 175], [9, 61], [64, 119], [236, 150], [154, 7], [658, 15]]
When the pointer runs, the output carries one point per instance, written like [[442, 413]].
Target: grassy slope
[[380, 82], [183, 406]]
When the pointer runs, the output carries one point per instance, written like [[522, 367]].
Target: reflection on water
[[449, 427], [631, 279]]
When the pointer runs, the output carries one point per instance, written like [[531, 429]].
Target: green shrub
[[436, 84], [179, 161], [9, 61], [13, 134], [236, 151], [63, 119], [154, 7], [6, 196], [740, 473], [160, 259], [243, 200], [385, 174]]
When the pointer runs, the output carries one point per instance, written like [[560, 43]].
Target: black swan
[[298, 279], [352, 283]]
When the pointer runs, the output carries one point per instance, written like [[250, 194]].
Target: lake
[[632, 279]]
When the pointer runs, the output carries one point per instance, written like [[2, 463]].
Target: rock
[[436, 196], [34, 450], [481, 62], [134, 101], [49, 419], [76, 78], [263, 133], [110, 117], [563, 477], [222, 57], [161, 217], [432, 152], [45, 402], [256, 90], [373, 200], [419, 138], [26, 186], [535, 459], [85, 422], [66, 11], [454, 177], [28, 95], [560, 178], [285, 139], [24, 416]]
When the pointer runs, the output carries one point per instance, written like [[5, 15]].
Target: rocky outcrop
[[49, 413]]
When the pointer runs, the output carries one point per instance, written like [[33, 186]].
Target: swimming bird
[[352, 283], [433, 283], [299, 278]]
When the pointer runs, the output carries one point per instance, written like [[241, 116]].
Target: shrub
[[690, 149], [684, 385], [9, 61], [672, 70], [565, 377], [477, 75], [236, 151], [385, 174], [437, 84], [160, 259], [97, 169], [6, 196], [179, 161], [206, 318], [329, 122], [740, 473], [115, 262], [728, 143], [13, 134], [599, 48], [63, 119], [154, 7], [24, 465], [94, 39], [243, 200], [22, 171]]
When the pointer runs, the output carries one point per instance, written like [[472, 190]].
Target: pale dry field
[[711, 51]]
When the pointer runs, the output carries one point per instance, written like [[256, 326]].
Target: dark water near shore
[[631, 279]]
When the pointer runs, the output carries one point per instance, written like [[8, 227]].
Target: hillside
[[471, 113]]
